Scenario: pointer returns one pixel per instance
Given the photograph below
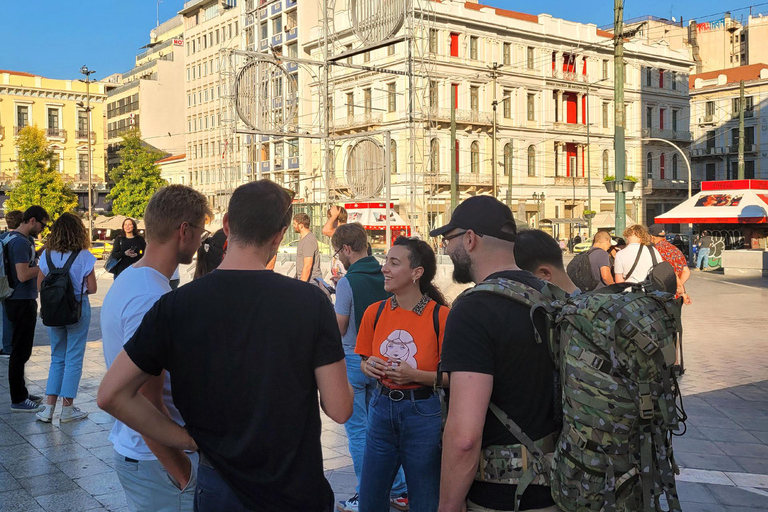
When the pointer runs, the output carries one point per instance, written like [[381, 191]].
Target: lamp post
[[494, 73], [87, 72], [539, 198]]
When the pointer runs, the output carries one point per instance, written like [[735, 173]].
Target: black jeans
[[23, 316]]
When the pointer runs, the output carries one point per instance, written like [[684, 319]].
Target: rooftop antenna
[[158, 12]]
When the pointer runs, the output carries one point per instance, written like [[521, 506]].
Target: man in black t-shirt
[[246, 376], [491, 355]]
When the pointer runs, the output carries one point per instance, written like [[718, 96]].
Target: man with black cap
[[491, 354]]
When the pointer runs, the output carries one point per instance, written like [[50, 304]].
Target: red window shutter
[[583, 110], [661, 78], [661, 119], [454, 45], [661, 166], [584, 69]]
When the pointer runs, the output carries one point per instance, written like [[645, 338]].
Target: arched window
[[531, 161], [474, 151], [606, 164], [662, 165], [393, 156], [507, 159], [649, 166], [674, 167], [434, 155]]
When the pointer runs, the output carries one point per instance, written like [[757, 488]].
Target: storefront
[[373, 217], [735, 214]]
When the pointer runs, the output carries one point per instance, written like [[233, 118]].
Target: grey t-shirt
[[21, 250], [597, 259], [308, 248]]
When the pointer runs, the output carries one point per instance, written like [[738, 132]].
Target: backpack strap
[[637, 259], [436, 320], [379, 312]]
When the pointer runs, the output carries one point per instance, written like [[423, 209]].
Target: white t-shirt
[[625, 258], [125, 305], [81, 267]]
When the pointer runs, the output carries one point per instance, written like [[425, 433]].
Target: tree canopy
[[39, 181], [136, 178]]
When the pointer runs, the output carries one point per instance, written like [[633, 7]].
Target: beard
[[462, 266]]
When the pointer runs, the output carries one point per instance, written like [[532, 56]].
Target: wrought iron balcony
[[17, 129], [649, 185], [56, 133], [83, 135], [359, 121], [465, 178], [572, 181], [570, 76], [748, 148]]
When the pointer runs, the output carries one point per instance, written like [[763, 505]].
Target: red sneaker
[[400, 502]]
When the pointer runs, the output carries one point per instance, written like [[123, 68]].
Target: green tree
[[39, 181], [136, 178]]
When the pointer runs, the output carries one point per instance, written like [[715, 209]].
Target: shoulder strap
[[48, 259], [378, 313], [653, 255], [70, 260], [436, 320], [637, 259]]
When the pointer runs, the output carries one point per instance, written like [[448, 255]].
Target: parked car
[[681, 241]]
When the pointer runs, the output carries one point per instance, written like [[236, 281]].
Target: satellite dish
[[674, 20], [153, 36]]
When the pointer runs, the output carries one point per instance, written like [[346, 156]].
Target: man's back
[[21, 250], [625, 260], [599, 258], [308, 248], [244, 382]]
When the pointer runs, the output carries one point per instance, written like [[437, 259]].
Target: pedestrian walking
[[399, 341], [12, 220], [153, 475], [68, 239], [490, 350], [21, 306], [704, 246], [128, 247], [361, 286], [307, 252], [249, 397], [635, 261]]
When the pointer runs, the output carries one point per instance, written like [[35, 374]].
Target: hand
[[335, 211], [374, 367], [130, 253], [401, 373], [686, 299], [335, 278], [181, 480]]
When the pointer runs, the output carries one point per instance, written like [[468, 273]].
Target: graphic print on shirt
[[399, 346]]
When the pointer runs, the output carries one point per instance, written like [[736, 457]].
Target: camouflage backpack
[[614, 352]]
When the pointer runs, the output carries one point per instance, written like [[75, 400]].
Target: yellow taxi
[[101, 249]]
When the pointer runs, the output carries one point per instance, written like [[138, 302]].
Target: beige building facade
[[715, 105], [150, 96], [59, 108]]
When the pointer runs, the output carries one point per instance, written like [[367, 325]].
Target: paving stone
[[743, 449], [93, 440], [32, 426], [10, 439], [18, 500], [51, 483], [753, 425], [86, 426], [103, 483], [8, 482], [728, 435], [685, 445], [105, 453], [70, 501], [18, 452], [689, 506], [113, 500], [704, 461], [53, 438], [84, 466], [62, 452], [734, 496], [27, 468], [753, 465]]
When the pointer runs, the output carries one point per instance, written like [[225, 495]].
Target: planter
[[629, 185], [610, 186], [589, 216]]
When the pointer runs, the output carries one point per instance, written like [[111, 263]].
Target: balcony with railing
[[679, 135], [707, 152], [571, 127], [465, 179], [651, 185], [55, 133], [570, 181], [462, 116], [359, 121], [83, 135], [17, 129], [748, 148], [570, 76]]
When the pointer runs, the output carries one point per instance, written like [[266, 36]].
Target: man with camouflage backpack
[[491, 353], [608, 446]]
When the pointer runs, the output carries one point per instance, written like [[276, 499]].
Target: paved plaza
[[723, 454]]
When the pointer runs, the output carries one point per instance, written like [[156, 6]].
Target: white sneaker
[[46, 415], [72, 413], [351, 505]]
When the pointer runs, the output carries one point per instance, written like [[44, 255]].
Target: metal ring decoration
[[376, 20], [365, 168], [259, 99]]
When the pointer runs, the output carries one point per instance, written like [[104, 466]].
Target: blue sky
[[54, 38]]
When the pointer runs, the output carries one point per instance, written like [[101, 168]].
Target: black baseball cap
[[485, 215], [657, 230]]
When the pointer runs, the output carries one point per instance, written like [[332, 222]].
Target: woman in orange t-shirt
[[399, 340]]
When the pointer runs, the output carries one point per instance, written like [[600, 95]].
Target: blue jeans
[[406, 432], [703, 256], [357, 425], [67, 352], [7, 330]]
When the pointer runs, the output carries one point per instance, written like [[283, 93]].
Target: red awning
[[723, 202]]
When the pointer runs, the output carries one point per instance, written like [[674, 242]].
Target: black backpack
[[580, 272], [661, 276], [58, 304]]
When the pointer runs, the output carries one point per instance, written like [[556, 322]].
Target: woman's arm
[[117, 251], [90, 283]]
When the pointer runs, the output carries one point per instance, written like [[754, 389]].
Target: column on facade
[[579, 109], [581, 158], [558, 64], [560, 166], [560, 116]]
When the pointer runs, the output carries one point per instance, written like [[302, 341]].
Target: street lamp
[[87, 72], [539, 198]]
